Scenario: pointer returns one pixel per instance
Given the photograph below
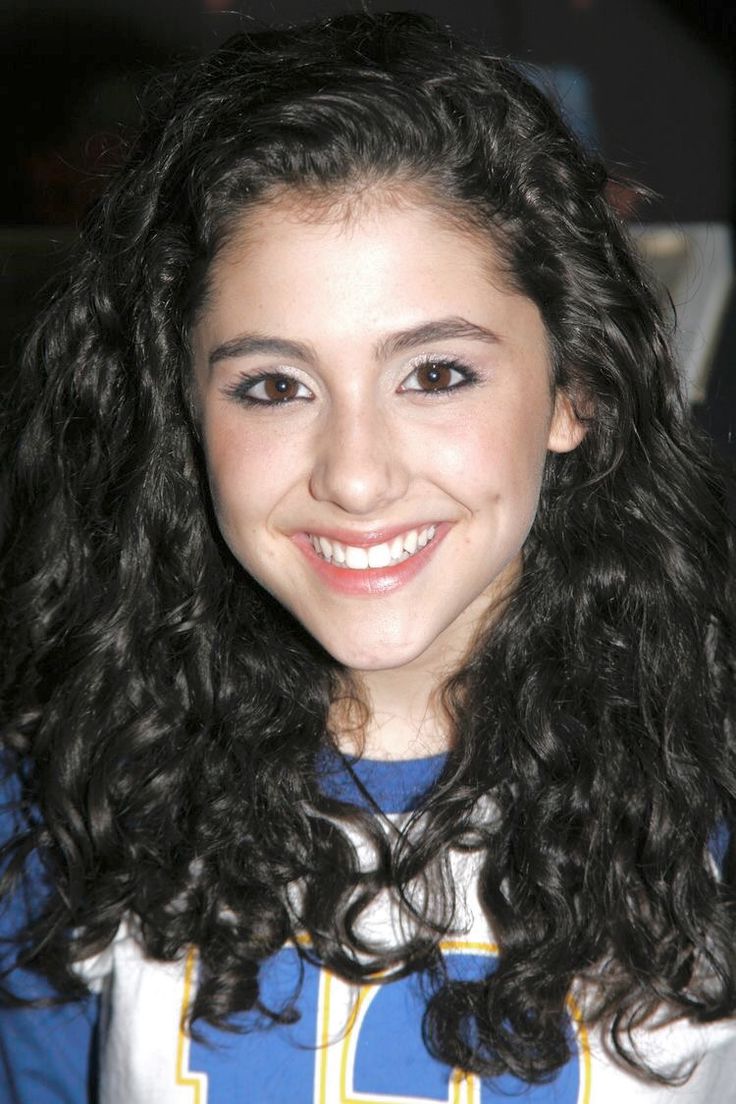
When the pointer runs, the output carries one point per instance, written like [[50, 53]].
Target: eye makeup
[[431, 376]]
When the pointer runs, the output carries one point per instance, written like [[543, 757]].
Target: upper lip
[[370, 537]]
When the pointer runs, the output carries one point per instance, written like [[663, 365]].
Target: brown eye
[[279, 389], [270, 389], [436, 376]]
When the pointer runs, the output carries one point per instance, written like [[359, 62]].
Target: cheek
[[237, 468], [501, 464], [252, 471], [236, 452]]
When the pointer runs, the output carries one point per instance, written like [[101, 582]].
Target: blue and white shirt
[[352, 1044]]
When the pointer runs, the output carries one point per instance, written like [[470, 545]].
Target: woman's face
[[376, 409]]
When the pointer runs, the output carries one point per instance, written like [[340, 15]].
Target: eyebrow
[[250, 344], [441, 329]]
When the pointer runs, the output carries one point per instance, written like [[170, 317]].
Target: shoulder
[[22, 884], [46, 1051]]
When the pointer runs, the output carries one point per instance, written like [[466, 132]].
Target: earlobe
[[566, 430]]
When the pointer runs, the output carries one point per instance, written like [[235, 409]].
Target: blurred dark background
[[649, 83]]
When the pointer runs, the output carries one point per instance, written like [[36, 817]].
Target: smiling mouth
[[395, 551]]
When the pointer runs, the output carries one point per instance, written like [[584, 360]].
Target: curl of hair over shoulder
[[162, 715]]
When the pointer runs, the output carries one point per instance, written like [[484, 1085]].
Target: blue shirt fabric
[[47, 1055], [395, 786]]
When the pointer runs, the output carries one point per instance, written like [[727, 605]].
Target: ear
[[566, 431]]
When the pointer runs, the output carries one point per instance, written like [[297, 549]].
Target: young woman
[[367, 689]]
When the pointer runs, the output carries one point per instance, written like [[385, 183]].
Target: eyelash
[[467, 374], [242, 389]]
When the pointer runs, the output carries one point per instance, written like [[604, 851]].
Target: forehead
[[353, 268], [347, 214]]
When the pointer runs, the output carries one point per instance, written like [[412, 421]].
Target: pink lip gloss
[[370, 581]]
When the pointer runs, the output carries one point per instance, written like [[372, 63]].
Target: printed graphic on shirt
[[354, 1045]]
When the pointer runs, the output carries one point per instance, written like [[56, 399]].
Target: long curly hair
[[163, 716]]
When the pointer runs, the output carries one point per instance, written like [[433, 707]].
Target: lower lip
[[372, 581]]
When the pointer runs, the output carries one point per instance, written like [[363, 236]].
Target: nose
[[359, 464]]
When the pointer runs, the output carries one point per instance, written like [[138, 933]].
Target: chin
[[374, 656]]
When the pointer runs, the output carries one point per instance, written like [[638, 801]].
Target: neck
[[397, 712], [405, 719]]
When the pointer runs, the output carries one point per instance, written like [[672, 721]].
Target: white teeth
[[397, 547], [378, 555], [410, 541], [325, 547], [356, 557]]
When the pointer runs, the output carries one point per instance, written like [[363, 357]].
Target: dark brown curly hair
[[163, 714]]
